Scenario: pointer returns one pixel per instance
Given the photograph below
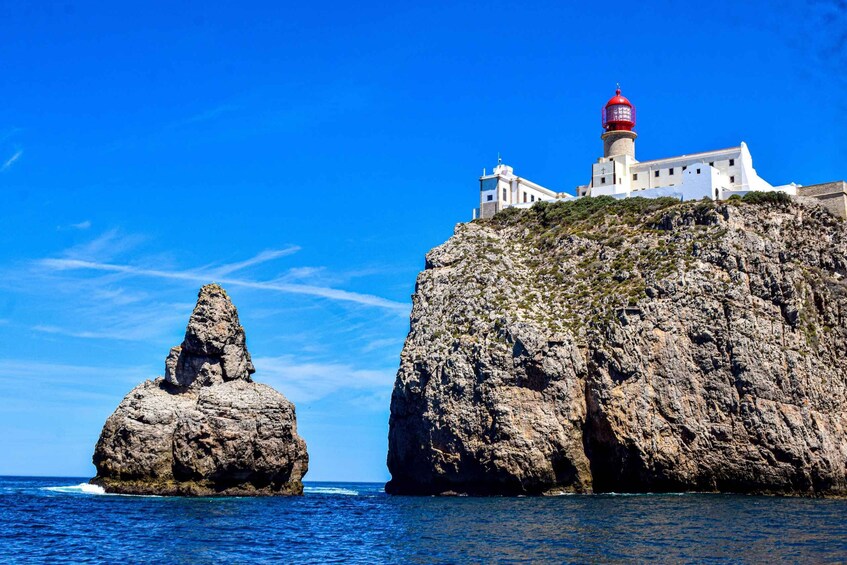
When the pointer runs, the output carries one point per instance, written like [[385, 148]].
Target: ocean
[[49, 520]]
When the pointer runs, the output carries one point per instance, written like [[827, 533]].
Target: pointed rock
[[214, 349], [206, 428]]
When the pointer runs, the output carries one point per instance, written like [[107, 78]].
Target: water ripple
[[46, 520]]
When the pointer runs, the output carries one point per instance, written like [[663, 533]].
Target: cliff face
[[635, 345], [205, 428]]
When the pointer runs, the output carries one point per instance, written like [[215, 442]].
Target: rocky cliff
[[633, 345], [205, 428]]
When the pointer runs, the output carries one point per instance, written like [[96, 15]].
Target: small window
[[524, 196], [731, 179], [711, 163], [670, 171], [532, 198], [684, 167], [698, 171], [655, 173], [602, 180], [504, 195], [490, 198], [731, 162], [634, 176]]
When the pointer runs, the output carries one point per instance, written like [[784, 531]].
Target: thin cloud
[[80, 334], [206, 116], [85, 334], [64, 379], [81, 226], [9, 133], [378, 344], [12, 160], [262, 257], [147, 324], [106, 245], [305, 382], [203, 277]]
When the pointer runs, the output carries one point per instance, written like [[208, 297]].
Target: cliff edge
[[205, 429], [629, 346]]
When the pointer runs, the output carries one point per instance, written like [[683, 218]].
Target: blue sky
[[308, 155]]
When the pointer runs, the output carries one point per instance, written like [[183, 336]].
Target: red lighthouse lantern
[[618, 113]]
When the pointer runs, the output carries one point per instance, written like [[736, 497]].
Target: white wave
[[81, 488], [330, 490]]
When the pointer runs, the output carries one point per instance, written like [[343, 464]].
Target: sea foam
[[330, 490], [81, 488]]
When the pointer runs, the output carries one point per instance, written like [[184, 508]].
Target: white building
[[712, 174], [502, 189]]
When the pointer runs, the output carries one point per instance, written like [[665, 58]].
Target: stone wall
[[831, 195], [488, 209]]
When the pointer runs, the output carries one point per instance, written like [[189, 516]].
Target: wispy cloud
[[206, 115], [305, 382], [9, 133], [11, 160], [377, 344], [262, 257], [208, 276], [68, 380], [142, 323], [109, 244], [81, 226]]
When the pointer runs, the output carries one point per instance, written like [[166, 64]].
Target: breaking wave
[[330, 490], [81, 488]]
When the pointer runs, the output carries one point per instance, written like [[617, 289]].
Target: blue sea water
[[48, 520]]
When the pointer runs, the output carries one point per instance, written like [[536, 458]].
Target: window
[[490, 198], [634, 176], [656, 173], [731, 179], [504, 195], [731, 162], [524, 196], [698, 171], [684, 167], [602, 180], [711, 163], [532, 198], [670, 171]]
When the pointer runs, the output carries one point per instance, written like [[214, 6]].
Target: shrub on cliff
[[756, 197], [584, 210]]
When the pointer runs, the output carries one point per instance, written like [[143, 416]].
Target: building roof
[[703, 155]]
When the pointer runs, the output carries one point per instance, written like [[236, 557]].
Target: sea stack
[[630, 345], [205, 428]]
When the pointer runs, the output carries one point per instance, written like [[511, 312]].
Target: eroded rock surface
[[205, 428], [628, 346]]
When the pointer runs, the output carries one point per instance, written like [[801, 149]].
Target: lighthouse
[[717, 174], [618, 118]]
